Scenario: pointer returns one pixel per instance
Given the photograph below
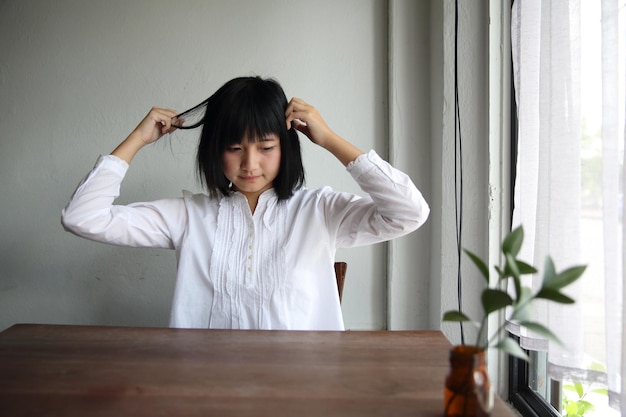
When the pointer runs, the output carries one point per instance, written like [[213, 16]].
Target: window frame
[[525, 400]]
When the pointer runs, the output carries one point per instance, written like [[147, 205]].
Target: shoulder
[[200, 200], [311, 194], [323, 198]]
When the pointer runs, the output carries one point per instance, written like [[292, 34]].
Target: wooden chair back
[[340, 274]]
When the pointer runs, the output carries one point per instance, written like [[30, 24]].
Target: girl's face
[[251, 167]]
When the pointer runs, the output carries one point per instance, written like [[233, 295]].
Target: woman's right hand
[[157, 123]]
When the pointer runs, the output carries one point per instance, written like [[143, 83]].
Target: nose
[[249, 160]]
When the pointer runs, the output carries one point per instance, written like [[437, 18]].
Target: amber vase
[[468, 392]]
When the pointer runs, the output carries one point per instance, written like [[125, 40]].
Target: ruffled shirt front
[[271, 269]]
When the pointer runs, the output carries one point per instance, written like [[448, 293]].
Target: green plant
[[495, 298], [578, 398], [577, 405]]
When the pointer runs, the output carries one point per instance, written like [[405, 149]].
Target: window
[[569, 88]]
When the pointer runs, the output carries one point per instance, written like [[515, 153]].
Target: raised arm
[[91, 212], [306, 119], [394, 206]]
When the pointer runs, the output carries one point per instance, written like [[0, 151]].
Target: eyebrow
[[269, 138]]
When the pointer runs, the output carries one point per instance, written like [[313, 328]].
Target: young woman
[[257, 251]]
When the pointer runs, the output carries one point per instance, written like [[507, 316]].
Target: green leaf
[[510, 266], [602, 391], [454, 315], [572, 409], [597, 366], [580, 390], [586, 406], [501, 273], [554, 295], [566, 277], [549, 273], [509, 346], [526, 296], [522, 307], [511, 269], [541, 330], [482, 267], [493, 300], [512, 243], [525, 269]]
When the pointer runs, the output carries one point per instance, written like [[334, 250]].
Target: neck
[[252, 197], [252, 202]]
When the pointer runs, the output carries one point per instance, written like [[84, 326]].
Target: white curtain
[[569, 189]]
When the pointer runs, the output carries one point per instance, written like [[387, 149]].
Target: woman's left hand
[[306, 119]]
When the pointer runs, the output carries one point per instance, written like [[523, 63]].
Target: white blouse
[[269, 270]]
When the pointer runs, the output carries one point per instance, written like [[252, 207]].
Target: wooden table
[[51, 370]]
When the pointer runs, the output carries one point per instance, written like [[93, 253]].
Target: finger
[[299, 113], [164, 118], [178, 121], [289, 117], [295, 104], [288, 113], [166, 114], [296, 109], [297, 100], [167, 126], [301, 126], [296, 122]]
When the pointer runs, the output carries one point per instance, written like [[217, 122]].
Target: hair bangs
[[257, 116]]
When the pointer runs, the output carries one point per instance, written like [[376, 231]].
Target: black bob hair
[[244, 107]]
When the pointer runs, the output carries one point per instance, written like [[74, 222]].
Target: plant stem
[[480, 333], [496, 334]]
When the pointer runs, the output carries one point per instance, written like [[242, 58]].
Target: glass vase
[[468, 392]]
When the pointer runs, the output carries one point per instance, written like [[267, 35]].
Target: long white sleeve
[[91, 212]]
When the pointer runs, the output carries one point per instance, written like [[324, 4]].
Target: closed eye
[[269, 143]]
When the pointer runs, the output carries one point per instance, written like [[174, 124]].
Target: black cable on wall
[[458, 165]]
